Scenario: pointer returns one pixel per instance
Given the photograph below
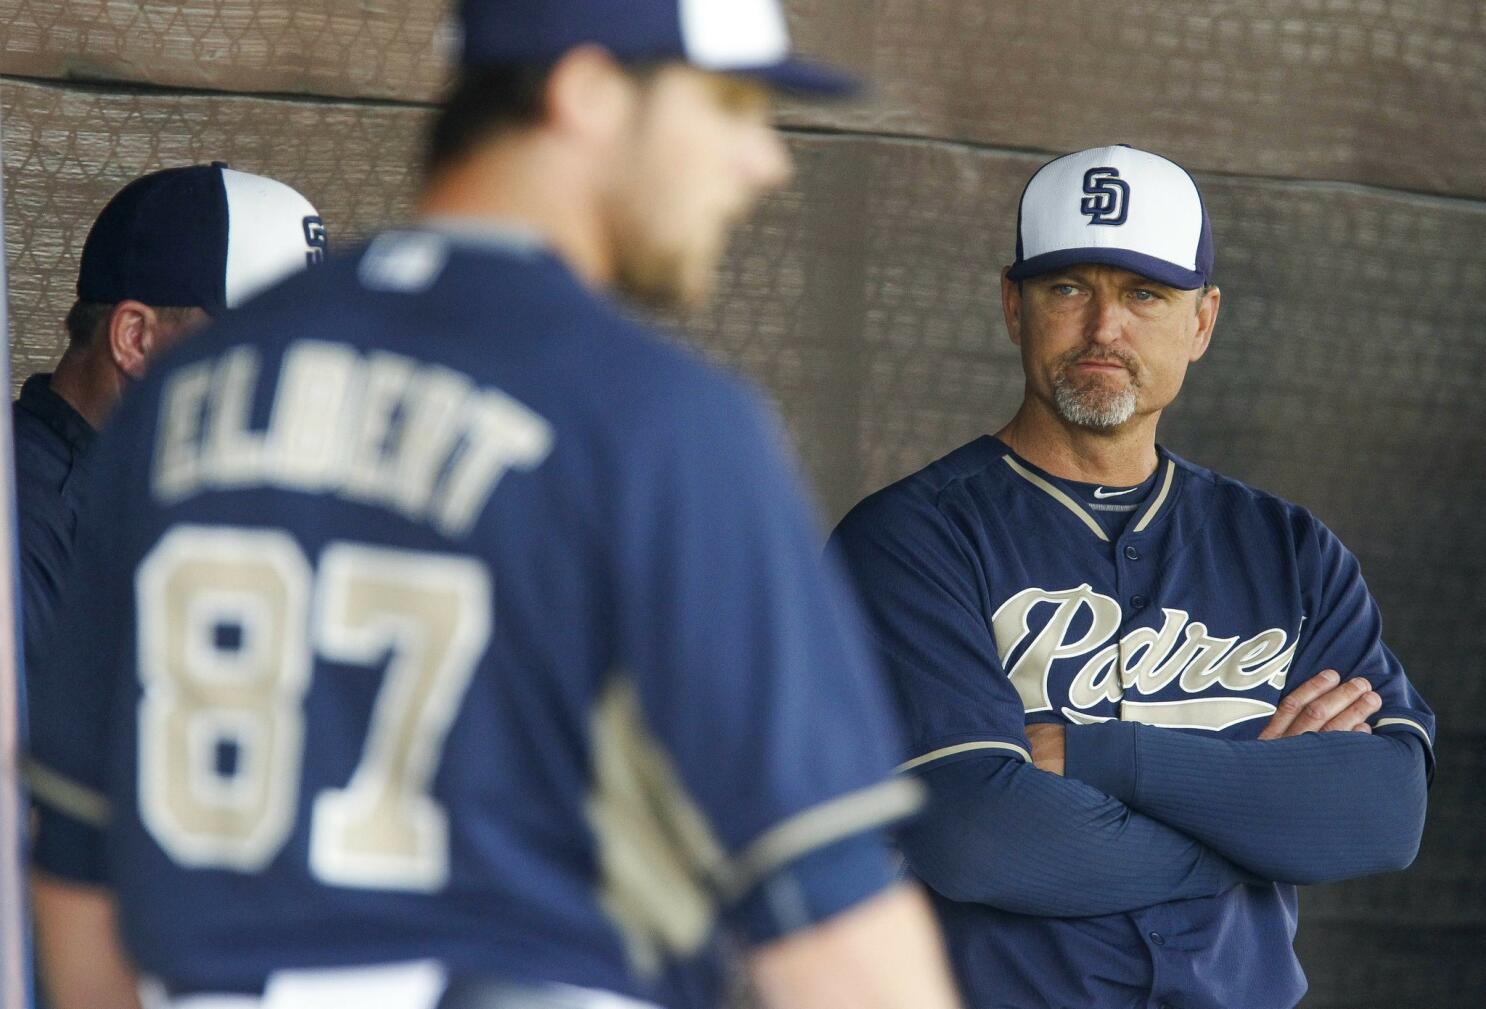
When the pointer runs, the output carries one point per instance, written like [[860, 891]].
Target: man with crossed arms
[[1149, 699]]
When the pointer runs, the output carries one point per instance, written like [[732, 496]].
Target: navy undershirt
[[1112, 506]]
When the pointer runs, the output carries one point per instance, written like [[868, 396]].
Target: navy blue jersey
[[998, 599], [428, 608], [51, 441]]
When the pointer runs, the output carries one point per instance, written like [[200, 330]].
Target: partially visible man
[[1116, 663], [169, 252], [467, 642]]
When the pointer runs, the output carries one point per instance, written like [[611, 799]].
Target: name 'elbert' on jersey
[[377, 428]]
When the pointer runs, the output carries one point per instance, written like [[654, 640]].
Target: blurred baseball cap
[[745, 37], [204, 236], [1116, 206]]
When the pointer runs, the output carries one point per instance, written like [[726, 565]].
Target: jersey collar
[[510, 237], [1154, 506], [42, 402]]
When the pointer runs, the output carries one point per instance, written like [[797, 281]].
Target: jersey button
[[1132, 553], [1138, 602], [1158, 939]]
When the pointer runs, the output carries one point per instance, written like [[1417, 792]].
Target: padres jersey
[[426, 608], [998, 598]]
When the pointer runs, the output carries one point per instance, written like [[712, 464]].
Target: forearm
[[1306, 809], [1003, 833], [884, 953], [83, 964]]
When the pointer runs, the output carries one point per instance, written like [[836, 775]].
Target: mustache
[[1111, 356]]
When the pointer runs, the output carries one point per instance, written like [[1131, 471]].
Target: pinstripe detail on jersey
[[1150, 514], [1058, 496], [67, 796], [950, 751], [1407, 723]]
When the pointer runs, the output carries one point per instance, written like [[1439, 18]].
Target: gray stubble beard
[[1090, 406]]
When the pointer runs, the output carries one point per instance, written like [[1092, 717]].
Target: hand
[[1325, 704], [1047, 746]]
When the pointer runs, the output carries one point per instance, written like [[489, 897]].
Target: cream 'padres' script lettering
[[376, 428], [1146, 661]]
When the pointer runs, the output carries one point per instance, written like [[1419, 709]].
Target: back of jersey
[[426, 608]]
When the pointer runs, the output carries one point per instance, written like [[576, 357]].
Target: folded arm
[[1310, 808], [1003, 833]]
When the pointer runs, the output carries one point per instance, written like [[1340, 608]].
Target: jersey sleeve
[[762, 725], [926, 605], [1344, 631], [70, 687]]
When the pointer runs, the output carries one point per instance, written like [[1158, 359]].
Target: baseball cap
[[745, 37], [202, 236], [1117, 206]]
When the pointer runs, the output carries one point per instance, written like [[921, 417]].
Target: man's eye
[[1064, 289], [1141, 294]]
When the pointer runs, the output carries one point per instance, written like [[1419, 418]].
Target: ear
[[132, 331], [589, 95], [1011, 306], [1207, 319]]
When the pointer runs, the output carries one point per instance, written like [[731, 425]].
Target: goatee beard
[[1091, 405]]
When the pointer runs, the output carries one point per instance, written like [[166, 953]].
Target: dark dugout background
[[1341, 145]]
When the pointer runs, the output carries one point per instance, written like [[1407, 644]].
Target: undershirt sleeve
[[1306, 809], [1001, 832]]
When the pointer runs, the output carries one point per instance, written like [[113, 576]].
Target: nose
[[1106, 321], [770, 165]]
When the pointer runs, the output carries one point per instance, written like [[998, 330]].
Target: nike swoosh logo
[[1099, 492]]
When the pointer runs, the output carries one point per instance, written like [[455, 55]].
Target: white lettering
[[177, 464], [379, 429], [233, 454], [304, 437], [1012, 624], [1146, 661]]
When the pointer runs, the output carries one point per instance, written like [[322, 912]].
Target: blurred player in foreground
[[450, 639], [169, 251], [1116, 662]]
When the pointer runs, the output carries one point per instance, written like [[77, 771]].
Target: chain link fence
[[865, 299]]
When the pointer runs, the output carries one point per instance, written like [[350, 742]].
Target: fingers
[[1047, 746], [1355, 715], [1324, 704], [1329, 705], [1295, 702]]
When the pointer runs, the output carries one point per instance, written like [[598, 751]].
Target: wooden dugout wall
[[1342, 148]]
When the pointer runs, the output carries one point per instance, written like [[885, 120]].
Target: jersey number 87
[[229, 622]]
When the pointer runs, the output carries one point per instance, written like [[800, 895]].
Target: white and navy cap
[[1115, 206], [204, 236], [745, 37]]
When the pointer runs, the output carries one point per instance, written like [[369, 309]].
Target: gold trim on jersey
[[658, 858], [823, 825], [67, 796], [1150, 514], [1057, 495], [1407, 723], [950, 751], [663, 872], [1063, 499]]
